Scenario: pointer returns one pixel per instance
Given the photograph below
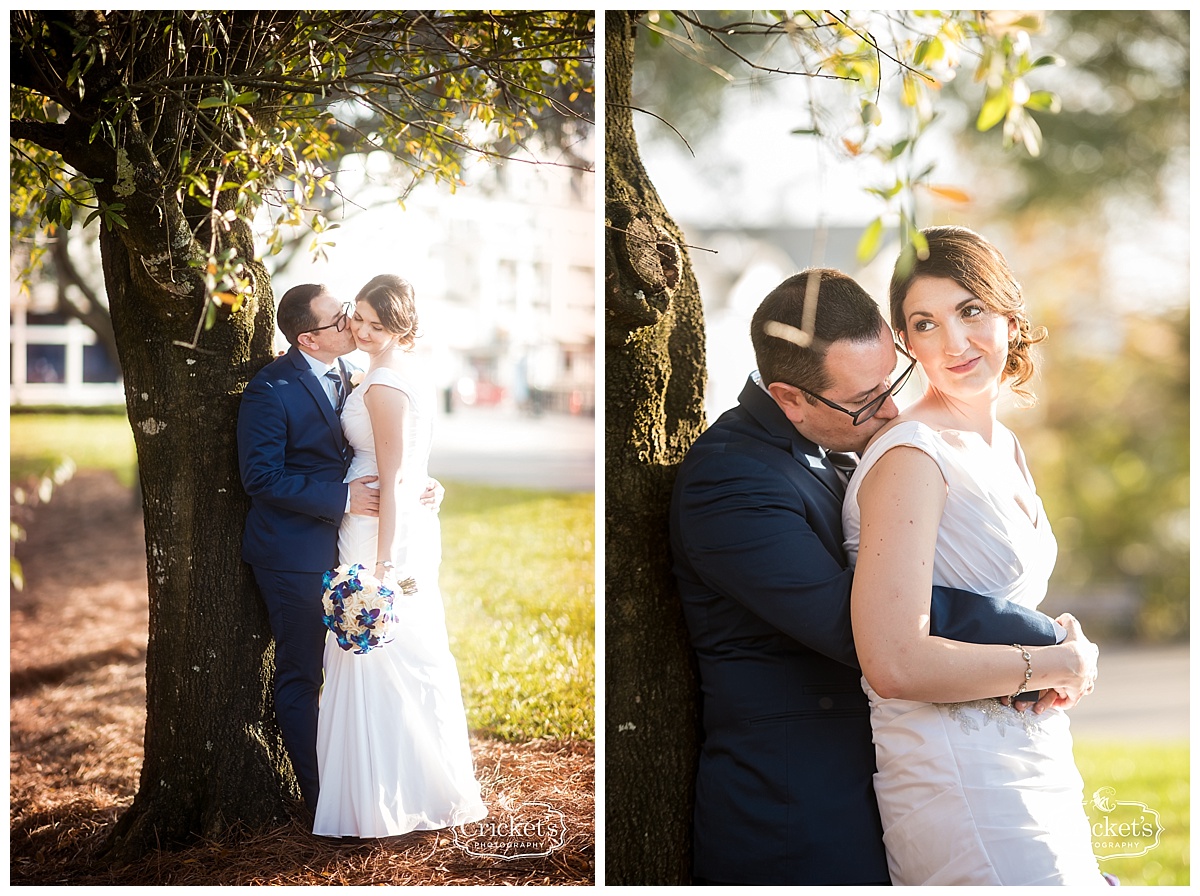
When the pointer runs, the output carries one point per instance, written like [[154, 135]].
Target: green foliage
[[1158, 776], [874, 78], [1111, 458], [1121, 110], [217, 114], [518, 577]]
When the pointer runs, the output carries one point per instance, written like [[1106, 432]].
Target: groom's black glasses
[[339, 322], [871, 408]]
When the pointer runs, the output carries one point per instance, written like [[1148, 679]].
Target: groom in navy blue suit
[[783, 790], [293, 457]]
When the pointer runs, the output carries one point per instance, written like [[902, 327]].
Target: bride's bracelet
[[1028, 671]]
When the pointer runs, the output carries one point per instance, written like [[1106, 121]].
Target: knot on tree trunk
[[652, 254], [652, 260]]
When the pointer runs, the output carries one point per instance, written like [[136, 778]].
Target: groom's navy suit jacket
[[293, 456], [783, 790]]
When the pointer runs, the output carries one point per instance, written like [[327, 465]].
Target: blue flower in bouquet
[[368, 617], [357, 608]]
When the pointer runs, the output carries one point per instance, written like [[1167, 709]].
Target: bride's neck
[[978, 416], [393, 357]]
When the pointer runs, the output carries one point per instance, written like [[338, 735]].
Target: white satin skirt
[[978, 793], [392, 746]]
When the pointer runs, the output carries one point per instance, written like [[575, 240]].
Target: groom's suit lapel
[[808, 454], [316, 389]]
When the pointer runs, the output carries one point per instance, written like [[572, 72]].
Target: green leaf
[[870, 241], [897, 149], [1043, 101], [919, 243], [245, 99], [995, 107], [211, 102], [929, 51]]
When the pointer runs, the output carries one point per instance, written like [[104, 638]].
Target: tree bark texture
[[214, 757], [654, 390], [213, 753]]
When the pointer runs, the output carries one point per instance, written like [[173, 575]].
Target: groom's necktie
[[339, 388], [845, 464]]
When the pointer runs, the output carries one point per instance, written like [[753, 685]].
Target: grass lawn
[[1154, 778], [518, 578], [97, 441]]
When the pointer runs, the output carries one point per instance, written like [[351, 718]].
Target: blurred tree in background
[[1097, 229]]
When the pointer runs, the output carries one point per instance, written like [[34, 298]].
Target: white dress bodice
[[977, 793], [392, 745]]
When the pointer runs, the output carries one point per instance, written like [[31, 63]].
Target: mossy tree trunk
[[213, 753], [214, 757], [654, 391]]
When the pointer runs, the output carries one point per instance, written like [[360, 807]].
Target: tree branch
[[47, 134]]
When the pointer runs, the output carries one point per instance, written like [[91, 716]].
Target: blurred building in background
[[503, 270]]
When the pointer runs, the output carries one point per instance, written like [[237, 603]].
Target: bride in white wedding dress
[[392, 746], [971, 792]]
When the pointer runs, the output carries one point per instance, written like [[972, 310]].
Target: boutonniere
[[356, 378]]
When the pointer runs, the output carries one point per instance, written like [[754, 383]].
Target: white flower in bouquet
[[359, 608]]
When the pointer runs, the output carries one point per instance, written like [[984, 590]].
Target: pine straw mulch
[[78, 709]]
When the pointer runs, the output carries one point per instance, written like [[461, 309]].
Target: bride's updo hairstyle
[[393, 300], [961, 255]]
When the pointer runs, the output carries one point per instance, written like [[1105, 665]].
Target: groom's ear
[[790, 400]]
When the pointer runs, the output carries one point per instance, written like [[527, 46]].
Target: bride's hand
[[386, 573]]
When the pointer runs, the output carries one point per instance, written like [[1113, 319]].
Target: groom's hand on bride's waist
[[364, 500]]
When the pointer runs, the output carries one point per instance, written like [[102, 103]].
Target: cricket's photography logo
[[513, 831], [1121, 828]]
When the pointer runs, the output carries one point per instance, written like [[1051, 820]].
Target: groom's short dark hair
[[295, 314], [838, 309]]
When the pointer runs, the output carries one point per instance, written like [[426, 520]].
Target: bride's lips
[[965, 368]]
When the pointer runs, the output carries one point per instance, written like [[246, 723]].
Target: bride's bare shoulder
[[908, 416]]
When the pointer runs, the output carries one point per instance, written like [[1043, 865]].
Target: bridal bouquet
[[358, 608]]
